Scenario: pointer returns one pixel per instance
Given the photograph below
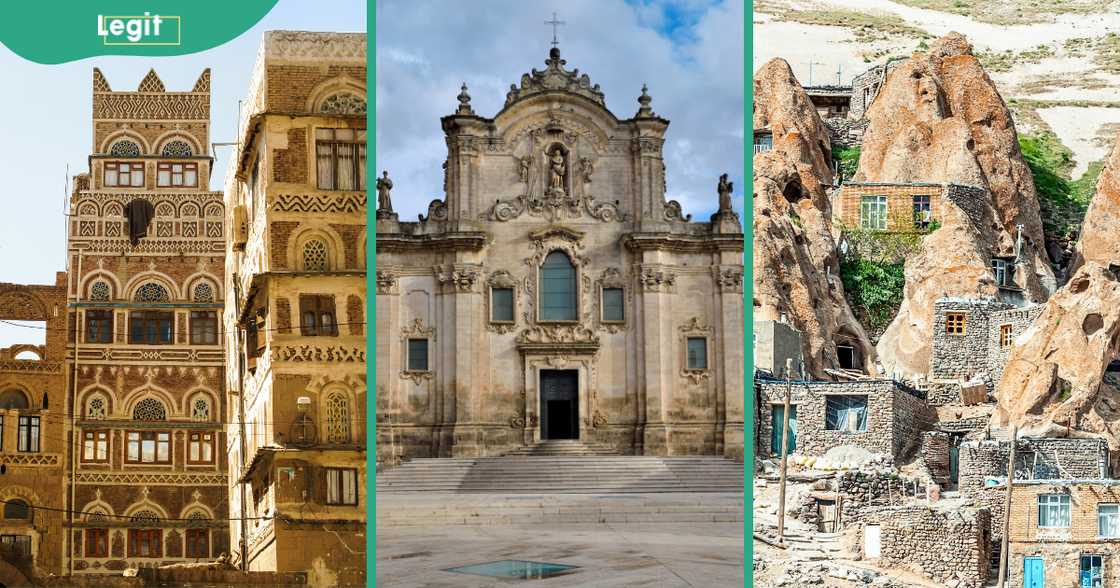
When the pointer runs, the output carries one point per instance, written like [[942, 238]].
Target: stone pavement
[[665, 555]]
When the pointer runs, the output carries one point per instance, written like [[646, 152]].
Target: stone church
[[554, 293]]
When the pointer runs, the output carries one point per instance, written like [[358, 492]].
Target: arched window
[[343, 103], [100, 291], [96, 408], [315, 256], [13, 399], [558, 288], [149, 409], [152, 292], [17, 510], [200, 409], [125, 148], [145, 516], [177, 148], [338, 418], [203, 292]]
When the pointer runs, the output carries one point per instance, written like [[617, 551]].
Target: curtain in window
[[325, 164], [1109, 517], [846, 413], [346, 164]]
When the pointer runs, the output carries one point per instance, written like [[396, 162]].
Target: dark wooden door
[[559, 404]]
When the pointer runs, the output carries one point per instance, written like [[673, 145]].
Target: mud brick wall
[[895, 416], [949, 547]]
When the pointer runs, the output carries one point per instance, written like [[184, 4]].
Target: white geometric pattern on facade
[[203, 292], [149, 409], [99, 291], [200, 409], [152, 292], [343, 103], [96, 409], [338, 418]]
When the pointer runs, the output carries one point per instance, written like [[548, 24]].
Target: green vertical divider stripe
[[371, 297], [748, 297]]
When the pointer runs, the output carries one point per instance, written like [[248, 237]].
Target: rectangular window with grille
[[177, 175], [1053, 510], [501, 305], [145, 543], [613, 310], [99, 326], [97, 542], [95, 446], [124, 175], [148, 447], [955, 323], [150, 327], [317, 317], [923, 214], [204, 327], [697, 353], [28, 434], [417, 355], [17, 545], [200, 447], [340, 159], [1006, 335], [342, 486]]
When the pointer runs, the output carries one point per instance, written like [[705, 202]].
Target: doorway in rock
[[559, 404]]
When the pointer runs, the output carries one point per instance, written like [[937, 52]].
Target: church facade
[[554, 292]]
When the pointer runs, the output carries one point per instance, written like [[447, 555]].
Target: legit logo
[[150, 29]]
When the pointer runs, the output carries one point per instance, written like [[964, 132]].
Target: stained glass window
[[338, 418], [96, 408], [203, 292], [200, 409], [177, 148], [343, 103], [99, 291], [152, 292], [125, 148]]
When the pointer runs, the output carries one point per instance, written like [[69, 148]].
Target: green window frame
[[558, 288], [501, 305], [614, 309]]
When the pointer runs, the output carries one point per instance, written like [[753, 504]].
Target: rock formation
[[938, 118], [1056, 378], [797, 273]]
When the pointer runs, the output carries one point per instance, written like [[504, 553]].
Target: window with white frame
[[342, 486], [1053, 511], [1108, 521]]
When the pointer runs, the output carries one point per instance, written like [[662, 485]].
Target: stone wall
[[1035, 459], [865, 491], [935, 454], [950, 547], [865, 87], [895, 416], [959, 357], [1019, 319]]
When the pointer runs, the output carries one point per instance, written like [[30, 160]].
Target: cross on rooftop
[[555, 23]]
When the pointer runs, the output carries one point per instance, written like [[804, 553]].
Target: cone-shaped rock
[[796, 270], [938, 118]]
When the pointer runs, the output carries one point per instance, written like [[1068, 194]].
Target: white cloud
[[426, 50]]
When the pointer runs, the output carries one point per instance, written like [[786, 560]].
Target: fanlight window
[[203, 292], [96, 408], [149, 409], [197, 519], [315, 256], [125, 148], [152, 292], [558, 288], [343, 103], [145, 516], [17, 509], [200, 409], [13, 399], [177, 148], [99, 291], [97, 514], [338, 418]]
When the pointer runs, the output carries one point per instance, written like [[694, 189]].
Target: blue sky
[[689, 52], [47, 127]]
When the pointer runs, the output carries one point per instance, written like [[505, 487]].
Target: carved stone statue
[[557, 167], [586, 168], [384, 184], [725, 187], [523, 168]]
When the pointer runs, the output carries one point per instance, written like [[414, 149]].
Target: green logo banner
[[48, 33]]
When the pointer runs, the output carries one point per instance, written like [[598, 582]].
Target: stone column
[[460, 335], [658, 359], [729, 378], [465, 135], [649, 175]]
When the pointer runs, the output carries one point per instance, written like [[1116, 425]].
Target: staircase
[[556, 471], [564, 447]]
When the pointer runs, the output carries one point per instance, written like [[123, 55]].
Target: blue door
[[1034, 575], [777, 421]]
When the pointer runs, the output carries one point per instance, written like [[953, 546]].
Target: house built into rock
[[554, 293]]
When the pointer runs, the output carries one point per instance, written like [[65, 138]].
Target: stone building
[[33, 428], [1064, 533], [774, 344], [295, 331], [865, 86], [1035, 459], [881, 416], [950, 546], [554, 293], [145, 256]]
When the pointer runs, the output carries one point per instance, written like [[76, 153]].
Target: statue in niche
[[557, 166], [725, 187], [586, 168], [523, 164]]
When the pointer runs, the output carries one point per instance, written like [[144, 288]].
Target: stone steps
[[562, 447], [432, 509], [564, 474]]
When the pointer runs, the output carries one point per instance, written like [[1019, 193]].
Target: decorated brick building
[[295, 330], [555, 293], [146, 480]]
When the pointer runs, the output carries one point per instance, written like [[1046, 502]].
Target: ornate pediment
[[562, 339], [557, 232], [555, 78]]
